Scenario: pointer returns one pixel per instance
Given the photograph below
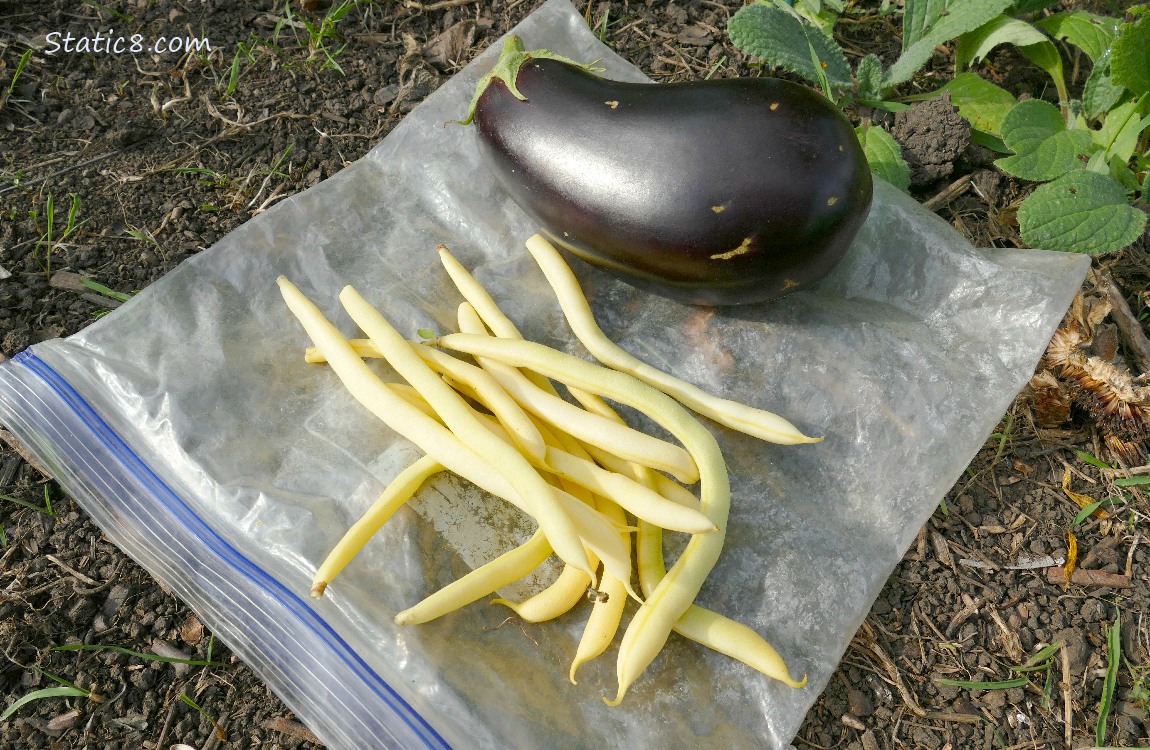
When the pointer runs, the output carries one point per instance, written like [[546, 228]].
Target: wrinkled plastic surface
[[905, 358]]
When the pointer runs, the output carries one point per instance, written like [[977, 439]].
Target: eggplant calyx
[[511, 59]]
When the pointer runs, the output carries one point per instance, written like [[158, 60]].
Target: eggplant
[[714, 192]]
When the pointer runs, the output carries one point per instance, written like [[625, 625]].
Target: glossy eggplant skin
[[719, 192]]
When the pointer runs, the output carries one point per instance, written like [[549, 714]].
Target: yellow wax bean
[[651, 626], [409, 421], [459, 418], [483, 581], [707, 627], [617, 438], [757, 422], [398, 491]]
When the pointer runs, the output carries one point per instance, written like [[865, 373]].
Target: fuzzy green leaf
[[1080, 212], [780, 38], [1043, 148], [953, 22], [1091, 33], [884, 155], [917, 18], [980, 101], [869, 76], [976, 45], [1130, 63]]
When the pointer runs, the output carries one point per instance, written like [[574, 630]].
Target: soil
[[166, 153]]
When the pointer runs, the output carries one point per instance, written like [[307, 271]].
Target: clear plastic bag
[[188, 426]]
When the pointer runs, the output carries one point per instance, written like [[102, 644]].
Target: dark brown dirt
[[166, 153]]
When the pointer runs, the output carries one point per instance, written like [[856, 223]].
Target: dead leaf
[[1082, 500], [1071, 555]]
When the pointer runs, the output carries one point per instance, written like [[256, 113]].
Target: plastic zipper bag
[[187, 424]]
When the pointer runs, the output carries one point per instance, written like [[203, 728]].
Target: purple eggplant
[[716, 192]]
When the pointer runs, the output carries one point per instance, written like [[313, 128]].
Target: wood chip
[[1086, 577], [291, 728]]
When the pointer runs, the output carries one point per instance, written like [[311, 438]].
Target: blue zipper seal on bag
[[413, 726]]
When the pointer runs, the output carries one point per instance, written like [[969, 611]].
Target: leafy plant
[[798, 38], [1091, 153], [49, 238]]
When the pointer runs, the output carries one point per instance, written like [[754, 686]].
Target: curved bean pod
[[398, 491], [757, 422]]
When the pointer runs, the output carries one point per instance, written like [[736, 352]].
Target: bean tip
[[796, 683], [318, 588]]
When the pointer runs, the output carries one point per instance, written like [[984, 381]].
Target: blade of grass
[[220, 733], [1086, 512], [96, 286], [1084, 456], [130, 652], [35, 695], [24, 58], [1114, 653], [1131, 481], [1038, 661], [45, 510], [998, 685]]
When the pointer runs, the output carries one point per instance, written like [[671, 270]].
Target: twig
[[57, 173], [948, 193], [412, 5], [73, 571], [1088, 577], [1128, 325]]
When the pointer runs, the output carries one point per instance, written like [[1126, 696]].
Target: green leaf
[[869, 76], [780, 38], [1100, 93], [1092, 460], [1043, 147], [1080, 212], [1119, 133], [980, 101], [998, 685], [1114, 658], [975, 45], [1086, 513], [917, 18], [884, 155], [1046, 56], [35, 695], [953, 22], [1131, 481], [1091, 33], [130, 652], [1130, 62]]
